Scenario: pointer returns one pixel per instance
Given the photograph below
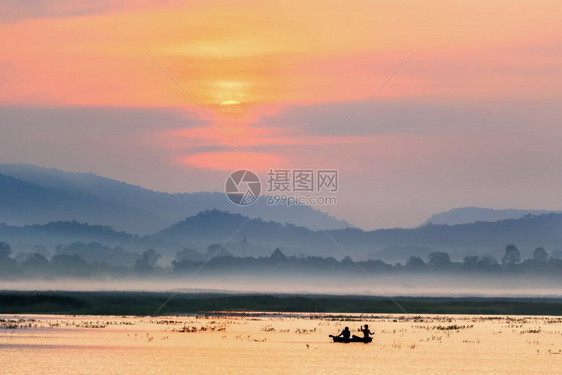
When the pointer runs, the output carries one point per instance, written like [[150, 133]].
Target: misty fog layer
[[95, 267], [380, 285]]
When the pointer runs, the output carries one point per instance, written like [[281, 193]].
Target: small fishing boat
[[365, 340]]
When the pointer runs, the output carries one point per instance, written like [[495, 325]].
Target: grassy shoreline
[[147, 303]]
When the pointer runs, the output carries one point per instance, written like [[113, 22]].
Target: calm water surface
[[279, 344]]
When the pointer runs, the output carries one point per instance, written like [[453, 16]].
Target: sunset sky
[[473, 118]]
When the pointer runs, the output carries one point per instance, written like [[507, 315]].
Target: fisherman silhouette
[[345, 333], [366, 332]]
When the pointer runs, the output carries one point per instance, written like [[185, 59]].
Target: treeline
[[78, 259], [436, 262], [86, 260]]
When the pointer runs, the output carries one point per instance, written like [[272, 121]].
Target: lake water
[[279, 344]]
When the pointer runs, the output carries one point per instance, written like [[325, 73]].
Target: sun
[[229, 102]]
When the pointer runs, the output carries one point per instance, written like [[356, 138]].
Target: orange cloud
[[267, 55], [259, 52]]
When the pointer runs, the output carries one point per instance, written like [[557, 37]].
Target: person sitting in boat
[[345, 333], [366, 332]]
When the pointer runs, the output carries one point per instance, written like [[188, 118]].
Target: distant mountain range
[[245, 236], [23, 202], [35, 195], [48, 207], [465, 215]]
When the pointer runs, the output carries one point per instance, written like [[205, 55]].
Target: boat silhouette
[[364, 340]]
